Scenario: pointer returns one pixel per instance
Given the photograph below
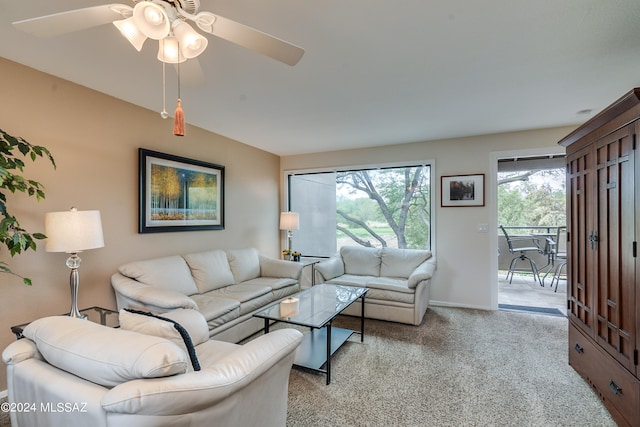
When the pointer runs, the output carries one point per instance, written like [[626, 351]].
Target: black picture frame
[[462, 190], [179, 194]]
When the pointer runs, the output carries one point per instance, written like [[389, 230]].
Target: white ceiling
[[374, 73]]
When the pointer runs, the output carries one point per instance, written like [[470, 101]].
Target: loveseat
[[73, 372], [398, 280], [226, 286]]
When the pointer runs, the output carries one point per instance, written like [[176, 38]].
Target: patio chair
[[560, 256], [520, 246]]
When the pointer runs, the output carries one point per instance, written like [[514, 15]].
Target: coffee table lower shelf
[[312, 352], [315, 308]]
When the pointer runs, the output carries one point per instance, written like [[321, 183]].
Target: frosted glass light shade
[[130, 31], [169, 51], [73, 231], [289, 221], [152, 20], [191, 42]]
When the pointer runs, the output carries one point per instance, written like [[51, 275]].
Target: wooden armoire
[[603, 221]]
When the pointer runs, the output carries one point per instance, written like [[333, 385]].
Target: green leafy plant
[[12, 235]]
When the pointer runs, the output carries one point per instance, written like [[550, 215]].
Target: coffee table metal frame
[[323, 340]]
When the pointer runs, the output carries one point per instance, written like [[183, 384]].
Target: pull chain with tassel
[[178, 120]]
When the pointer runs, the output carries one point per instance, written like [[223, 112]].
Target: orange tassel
[[178, 121]]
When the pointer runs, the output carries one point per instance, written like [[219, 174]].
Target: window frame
[[286, 193]]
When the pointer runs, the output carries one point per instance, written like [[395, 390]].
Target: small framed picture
[[462, 190]]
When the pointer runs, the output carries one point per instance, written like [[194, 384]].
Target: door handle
[[615, 388], [593, 240]]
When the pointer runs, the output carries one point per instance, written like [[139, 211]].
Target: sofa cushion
[[389, 297], [351, 280], [166, 327], [217, 310], [251, 297], [210, 270], [360, 260], [401, 262], [392, 284], [171, 273], [274, 283], [104, 355], [245, 263]]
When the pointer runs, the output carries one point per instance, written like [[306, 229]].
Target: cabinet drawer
[[616, 386]]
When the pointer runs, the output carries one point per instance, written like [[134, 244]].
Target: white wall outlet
[[483, 228]]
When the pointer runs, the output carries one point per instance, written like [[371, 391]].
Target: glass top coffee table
[[316, 308]]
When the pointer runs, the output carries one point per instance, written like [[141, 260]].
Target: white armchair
[[73, 372]]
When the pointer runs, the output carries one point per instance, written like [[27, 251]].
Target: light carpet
[[460, 367]]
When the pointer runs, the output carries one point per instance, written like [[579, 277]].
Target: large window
[[377, 207]]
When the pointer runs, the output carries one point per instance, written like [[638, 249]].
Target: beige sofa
[[398, 280], [226, 286], [73, 372]]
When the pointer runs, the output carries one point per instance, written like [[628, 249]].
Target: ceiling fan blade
[[73, 20], [190, 72], [250, 38]]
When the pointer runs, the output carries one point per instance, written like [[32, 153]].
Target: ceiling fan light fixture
[[169, 51], [152, 20], [191, 42], [130, 31]]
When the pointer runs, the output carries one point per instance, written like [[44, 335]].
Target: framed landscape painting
[[462, 190], [179, 194]]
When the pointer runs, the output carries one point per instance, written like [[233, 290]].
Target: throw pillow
[[159, 326]]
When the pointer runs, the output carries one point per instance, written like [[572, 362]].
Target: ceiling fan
[[168, 22]]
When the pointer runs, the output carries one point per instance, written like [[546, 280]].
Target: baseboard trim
[[3, 394], [453, 305]]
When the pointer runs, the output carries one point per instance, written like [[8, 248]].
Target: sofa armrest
[[150, 296], [423, 272], [271, 267], [181, 394], [330, 268], [19, 351]]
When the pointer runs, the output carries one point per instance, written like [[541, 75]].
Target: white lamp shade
[[289, 221], [169, 51], [73, 231], [152, 20], [130, 31], [191, 42]]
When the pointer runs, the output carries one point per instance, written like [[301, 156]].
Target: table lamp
[[72, 232], [289, 221]]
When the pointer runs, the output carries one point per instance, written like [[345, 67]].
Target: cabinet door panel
[[614, 268], [580, 177]]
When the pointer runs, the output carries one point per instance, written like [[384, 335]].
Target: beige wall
[[94, 139], [466, 275]]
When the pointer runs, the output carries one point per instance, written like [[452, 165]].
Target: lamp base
[[73, 262], [76, 313]]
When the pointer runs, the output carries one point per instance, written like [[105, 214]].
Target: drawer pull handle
[[615, 388], [579, 348]]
